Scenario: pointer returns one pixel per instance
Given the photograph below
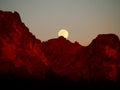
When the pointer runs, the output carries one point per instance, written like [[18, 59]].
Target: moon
[[64, 33]]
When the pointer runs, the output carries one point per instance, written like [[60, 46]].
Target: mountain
[[20, 51], [103, 57], [25, 56], [98, 61], [64, 58]]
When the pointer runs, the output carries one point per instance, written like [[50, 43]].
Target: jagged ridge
[[21, 54]]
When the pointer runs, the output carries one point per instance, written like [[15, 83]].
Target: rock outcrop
[[21, 54], [20, 51]]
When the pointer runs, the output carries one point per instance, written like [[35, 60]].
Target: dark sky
[[84, 19]]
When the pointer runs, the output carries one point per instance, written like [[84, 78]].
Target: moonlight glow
[[64, 33]]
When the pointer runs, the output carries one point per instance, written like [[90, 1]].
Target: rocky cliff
[[21, 54], [20, 51]]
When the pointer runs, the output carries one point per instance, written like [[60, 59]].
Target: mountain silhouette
[[20, 51], [23, 55]]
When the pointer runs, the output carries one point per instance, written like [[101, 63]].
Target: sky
[[84, 19]]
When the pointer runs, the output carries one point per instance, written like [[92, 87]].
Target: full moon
[[64, 33]]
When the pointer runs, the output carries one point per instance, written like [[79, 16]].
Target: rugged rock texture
[[64, 58], [20, 51], [21, 54], [98, 61], [103, 57]]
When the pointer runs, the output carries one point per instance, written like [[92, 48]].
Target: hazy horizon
[[84, 19]]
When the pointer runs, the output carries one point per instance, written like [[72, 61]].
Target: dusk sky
[[84, 19]]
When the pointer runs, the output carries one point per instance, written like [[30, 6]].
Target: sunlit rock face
[[98, 61], [64, 58], [22, 55], [20, 51], [103, 57]]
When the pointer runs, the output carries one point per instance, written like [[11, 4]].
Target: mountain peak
[[111, 40], [107, 37], [19, 49], [23, 55]]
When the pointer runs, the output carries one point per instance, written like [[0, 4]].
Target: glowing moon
[[64, 33]]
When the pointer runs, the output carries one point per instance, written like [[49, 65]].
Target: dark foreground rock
[[26, 61]]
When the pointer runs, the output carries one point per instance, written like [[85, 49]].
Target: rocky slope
[[20, 51], [21, 54]]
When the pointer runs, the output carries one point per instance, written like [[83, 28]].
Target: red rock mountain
[[21, 54], [20, 51]]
